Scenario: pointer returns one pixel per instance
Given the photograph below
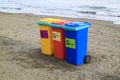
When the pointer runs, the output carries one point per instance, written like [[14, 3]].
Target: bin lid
[[58, 24], [47, 21], [74, 26]]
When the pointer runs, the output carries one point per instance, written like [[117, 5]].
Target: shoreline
[[114, 21], [84, 19], [20, 57]]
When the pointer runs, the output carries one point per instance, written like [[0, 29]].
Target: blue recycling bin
[[76, 39]]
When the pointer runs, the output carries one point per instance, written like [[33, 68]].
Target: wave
[[11, 8], [87, 12]]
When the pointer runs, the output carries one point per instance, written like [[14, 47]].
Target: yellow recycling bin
[[46, 35]]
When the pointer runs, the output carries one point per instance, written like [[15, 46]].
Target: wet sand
[[20, 57]]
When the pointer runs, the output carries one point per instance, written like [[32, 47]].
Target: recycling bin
[[46, 35], [58, 38], [76, 38]]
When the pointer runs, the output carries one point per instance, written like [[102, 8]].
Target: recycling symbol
[[67, 42], [54, 35], [70, 43]]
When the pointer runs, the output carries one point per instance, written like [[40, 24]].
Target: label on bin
[[70, 43], [44, 33], [56, 36]]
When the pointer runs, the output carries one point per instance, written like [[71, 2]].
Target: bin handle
[[88, 23]]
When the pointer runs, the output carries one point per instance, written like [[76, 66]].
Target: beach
[[20, 57]]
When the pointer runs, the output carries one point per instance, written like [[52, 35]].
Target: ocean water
[[108, 10]]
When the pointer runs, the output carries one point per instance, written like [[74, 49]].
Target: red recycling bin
[[58, 38]]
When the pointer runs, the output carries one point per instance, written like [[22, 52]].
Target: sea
[[108, 10]]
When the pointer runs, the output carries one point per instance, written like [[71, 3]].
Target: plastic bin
[[46, 35], [76, 38], [58, 39]]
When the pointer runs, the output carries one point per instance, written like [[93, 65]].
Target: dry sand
[[20, 57]]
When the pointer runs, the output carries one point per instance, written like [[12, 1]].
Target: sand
[[20, 57]]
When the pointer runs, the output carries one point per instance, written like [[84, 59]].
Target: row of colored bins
[[65, 39]]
